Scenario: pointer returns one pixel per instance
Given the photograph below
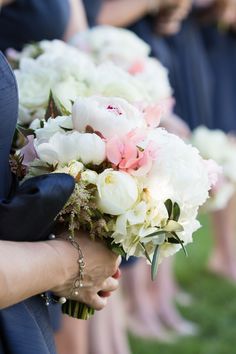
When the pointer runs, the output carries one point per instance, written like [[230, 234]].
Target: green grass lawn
[[214, 307]]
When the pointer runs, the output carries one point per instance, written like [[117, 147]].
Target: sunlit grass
[[214, 307]]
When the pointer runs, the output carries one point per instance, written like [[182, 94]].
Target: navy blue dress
[[221, 51], [191, 76], [26, 214], [26, 21]]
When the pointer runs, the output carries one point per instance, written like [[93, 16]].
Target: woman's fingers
[[98, 303], [110, 284]]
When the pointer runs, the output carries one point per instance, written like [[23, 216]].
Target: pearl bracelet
[[78, 283]]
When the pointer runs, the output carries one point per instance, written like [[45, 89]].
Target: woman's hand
[[101, 266], [171, 14]]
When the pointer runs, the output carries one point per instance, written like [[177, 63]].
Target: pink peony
[[128, 155]]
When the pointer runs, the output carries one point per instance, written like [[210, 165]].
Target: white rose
[[117, 192], [92, 149], [61, 148], [109, 116]]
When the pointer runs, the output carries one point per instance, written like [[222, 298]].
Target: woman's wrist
[[65, 261]]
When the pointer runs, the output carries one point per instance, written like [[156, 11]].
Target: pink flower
[[137, 67], [215, 173], [154, 113], [128, 155]]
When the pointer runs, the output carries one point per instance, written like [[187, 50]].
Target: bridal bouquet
[[137, 188], [218, 146], [68, 72], [104, 43]]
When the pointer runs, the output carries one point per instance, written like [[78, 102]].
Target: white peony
[[110, 80], [154, 77], [60, 149], [109, 116], [51, 126], [92, 149], [117, 192], [179, 172], [110, 43], [63, 147]]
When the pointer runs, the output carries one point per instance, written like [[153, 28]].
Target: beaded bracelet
[[78, 283]]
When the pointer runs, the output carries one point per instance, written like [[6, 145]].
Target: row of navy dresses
[[201, 62]]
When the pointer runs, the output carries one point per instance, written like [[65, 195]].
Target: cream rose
[[117, 192]]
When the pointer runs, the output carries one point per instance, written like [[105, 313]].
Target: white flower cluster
[[146, 168], [100, 68], [218, 146], [118, 45]]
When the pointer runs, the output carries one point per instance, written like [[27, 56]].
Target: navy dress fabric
[[221, 51], [191, 76], [25, 215], [26, 21], [189, 72]]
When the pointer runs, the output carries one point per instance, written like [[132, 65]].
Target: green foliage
[[55, 108]]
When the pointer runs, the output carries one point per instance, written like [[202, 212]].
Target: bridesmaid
[[25, 327], [26, 21], [219, 38]]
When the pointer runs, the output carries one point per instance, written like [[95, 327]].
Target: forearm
[[27, 269], [122, 12], [77, 20]]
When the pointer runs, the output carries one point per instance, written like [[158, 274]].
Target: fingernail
[[104, 293], [117, 274]]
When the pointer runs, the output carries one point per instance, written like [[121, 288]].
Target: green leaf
[[159, 232], [169, 207], [154, 266], [146, 253], [176, 212], [55, 108], [156, 240], [181, 242]]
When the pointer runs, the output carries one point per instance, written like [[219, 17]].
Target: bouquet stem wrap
[[77, 310]]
